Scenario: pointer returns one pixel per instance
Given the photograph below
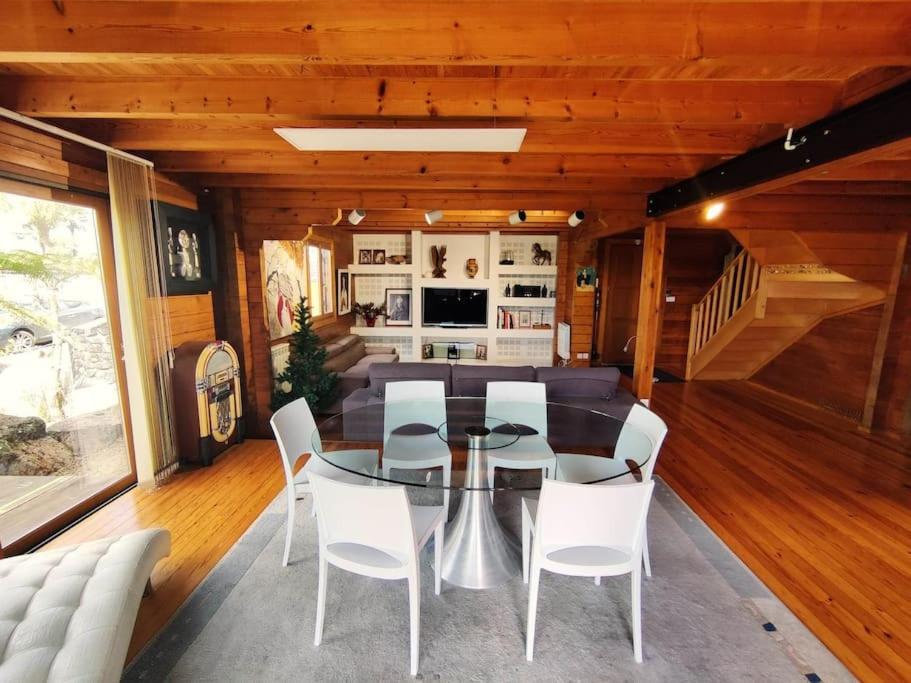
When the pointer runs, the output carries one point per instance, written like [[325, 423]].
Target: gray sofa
[[591, 388], [350, 358]]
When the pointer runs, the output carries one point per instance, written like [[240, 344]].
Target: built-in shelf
[[527, 270], [527, 301], [454, 332], [455, 282], [382, 331], [380, 269], [526, 333]]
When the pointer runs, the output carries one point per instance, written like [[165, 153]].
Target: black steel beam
[[878, 121]]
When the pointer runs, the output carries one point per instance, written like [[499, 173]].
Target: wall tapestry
[[283, 279]]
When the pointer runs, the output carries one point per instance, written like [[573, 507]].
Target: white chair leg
[[597, 580], [490, 477], [645, 561], [636, 578], [321, 600], [447, 481], [532, 613], [292, 503], [414, 602], [437, 556], [526, 544], [313, 508]]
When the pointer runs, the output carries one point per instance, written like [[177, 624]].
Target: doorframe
[[101, 206]]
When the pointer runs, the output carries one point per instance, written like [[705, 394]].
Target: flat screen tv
[[444, 306]]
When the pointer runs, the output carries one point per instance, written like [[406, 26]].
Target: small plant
[[370, 312]]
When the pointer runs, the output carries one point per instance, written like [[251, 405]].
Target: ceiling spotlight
[[433, 216], [517, 217], [713, 210], [575, 218], [356, 216]]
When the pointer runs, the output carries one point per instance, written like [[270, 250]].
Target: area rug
[[705, 618]]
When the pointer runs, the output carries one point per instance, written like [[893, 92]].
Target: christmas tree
[[305, 376]]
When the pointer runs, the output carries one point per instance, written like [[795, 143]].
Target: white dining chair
[[296, 433], [582, 469], [416, 403], [582, 530], [520, 403], [374, 531]]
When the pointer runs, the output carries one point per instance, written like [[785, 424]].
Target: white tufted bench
[[68, 614]]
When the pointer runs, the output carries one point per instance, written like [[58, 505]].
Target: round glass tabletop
[[418, 439]]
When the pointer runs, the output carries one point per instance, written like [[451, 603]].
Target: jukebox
[[207, 400]]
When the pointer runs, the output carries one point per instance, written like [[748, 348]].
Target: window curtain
[[146, 331]]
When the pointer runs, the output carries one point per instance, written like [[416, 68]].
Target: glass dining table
[[478, 552]]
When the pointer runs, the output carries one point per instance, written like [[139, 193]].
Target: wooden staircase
[[778, 289]]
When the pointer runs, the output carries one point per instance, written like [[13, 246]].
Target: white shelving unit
[[516, 346]]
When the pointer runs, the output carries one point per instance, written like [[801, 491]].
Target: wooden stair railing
[[737, 284]]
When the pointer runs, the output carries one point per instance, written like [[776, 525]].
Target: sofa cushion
[[344, 358], [571, 382], [381, 373], [68, 614], [336, 346], [471, 380]]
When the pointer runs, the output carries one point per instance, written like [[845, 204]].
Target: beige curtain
[[146, 332]]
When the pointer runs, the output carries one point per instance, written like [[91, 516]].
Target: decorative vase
[[370, 321], [471, 267]]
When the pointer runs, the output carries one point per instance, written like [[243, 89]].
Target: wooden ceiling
[[620, 98]]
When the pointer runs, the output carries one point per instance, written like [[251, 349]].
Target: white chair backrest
[[296, 433], [630, 445], [583, 515], [417, 402], [519, 403], [373, 516]]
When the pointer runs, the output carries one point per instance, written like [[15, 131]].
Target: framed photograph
[[364, 257], [379, 256], [524, 318], [344, 292], [427, 351], [480, 351], [398, 307], [585, 279], [283, 273], [187, 242]]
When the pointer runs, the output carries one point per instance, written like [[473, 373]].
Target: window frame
[[321, 243]]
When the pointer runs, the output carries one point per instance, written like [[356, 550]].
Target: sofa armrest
[[356, 399], [375, 349]]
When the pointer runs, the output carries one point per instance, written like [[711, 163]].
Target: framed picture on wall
[[186, 239], [365, 257], [344, 292], [398, 307]]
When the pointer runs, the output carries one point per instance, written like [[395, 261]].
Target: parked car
[[18, 335]]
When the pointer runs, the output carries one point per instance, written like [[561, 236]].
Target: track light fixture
[[517, 217], [575, 218], [356, 216], [433, 216], [713, 210]]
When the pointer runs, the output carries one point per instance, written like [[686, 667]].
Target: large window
[[63, 439], [319, 279]]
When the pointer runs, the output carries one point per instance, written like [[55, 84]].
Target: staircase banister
[[741, 256]]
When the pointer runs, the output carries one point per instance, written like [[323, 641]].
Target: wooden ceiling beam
[[543, 137], [734, 219], [473, 32], [404, 164], [423, 201], [666, 102], [885, 170], [847, 187], [454, 182]]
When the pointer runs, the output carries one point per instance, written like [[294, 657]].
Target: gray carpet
[[706, 618]]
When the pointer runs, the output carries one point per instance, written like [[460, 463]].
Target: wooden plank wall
[[191, 318], [893, 408]]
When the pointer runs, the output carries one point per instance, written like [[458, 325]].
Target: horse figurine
[[541, 256]]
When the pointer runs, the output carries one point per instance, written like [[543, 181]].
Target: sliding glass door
[[64, 442]]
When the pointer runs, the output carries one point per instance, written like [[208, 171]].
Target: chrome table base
[[478, 552]]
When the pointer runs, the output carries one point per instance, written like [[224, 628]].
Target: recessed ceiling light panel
[[404, 139]]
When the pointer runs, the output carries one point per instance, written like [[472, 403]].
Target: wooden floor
[[820, 512], [206, 511]]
